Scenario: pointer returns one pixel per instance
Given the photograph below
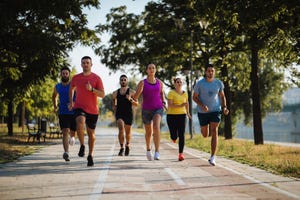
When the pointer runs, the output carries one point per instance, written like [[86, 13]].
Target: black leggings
[[176, 124]]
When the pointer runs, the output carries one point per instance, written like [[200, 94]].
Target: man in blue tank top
[[122, 105], [211, 102], [66, 119]]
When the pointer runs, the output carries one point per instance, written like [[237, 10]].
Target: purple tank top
[[151, 96]]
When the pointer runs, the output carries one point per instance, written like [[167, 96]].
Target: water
[[277, 127]]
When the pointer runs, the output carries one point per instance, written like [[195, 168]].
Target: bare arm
[[187, 108], [223, 103], [198, 102], [71, 94], [97, 92], [114, 100], [139, 90], [54, 99], [131, 99], [162, 94]]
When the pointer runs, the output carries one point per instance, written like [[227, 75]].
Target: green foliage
[[167, 32], [35, 38]]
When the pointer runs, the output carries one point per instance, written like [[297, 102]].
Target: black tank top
[[124, 106]]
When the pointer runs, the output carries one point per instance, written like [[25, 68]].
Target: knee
[[204, 131], [204, 134]]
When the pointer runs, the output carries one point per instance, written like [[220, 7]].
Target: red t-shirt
[[86, 100]]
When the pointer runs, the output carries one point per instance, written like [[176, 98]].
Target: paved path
[[45, 175]]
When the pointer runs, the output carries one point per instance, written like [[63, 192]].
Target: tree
[[260, 22], [235, 31], [35, 37]]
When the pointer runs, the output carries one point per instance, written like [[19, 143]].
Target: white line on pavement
[[98, 187], [177, 179], [245, 176]]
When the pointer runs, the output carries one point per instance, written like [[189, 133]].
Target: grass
[[276, 159], [13, 147]]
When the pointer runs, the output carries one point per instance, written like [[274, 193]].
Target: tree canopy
[[252, 43], [35, 38]]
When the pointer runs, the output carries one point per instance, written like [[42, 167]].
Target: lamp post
[[191, 88], [189, 73]]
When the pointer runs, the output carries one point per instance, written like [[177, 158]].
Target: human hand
[[88, 86], [204, 108], [189, 116], [225, 111], [70, 106]]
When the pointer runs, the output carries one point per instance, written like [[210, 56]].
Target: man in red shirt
[[89, 87]]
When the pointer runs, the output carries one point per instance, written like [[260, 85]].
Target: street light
[[189, 73]]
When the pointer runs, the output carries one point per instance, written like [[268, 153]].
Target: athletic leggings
[[176, 124]]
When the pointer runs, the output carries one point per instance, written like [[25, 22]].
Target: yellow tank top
[[177, 99]]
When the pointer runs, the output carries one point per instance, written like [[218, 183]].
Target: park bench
[[35, 133], [54, 129]]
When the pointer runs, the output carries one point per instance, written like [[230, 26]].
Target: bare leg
[[156, 131], [128, 134], [204, 131], [148, 135], [91, 140], [120, 123], [214, 137], [65, 139], [72, 133], [80, 124]]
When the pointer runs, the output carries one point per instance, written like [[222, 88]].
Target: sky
[[96, 16]]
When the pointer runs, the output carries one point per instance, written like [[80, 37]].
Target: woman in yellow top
[[178, 109]]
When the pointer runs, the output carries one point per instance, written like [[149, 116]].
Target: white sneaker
[[149, 155], [72, 141], [212, 161], [156, 156]]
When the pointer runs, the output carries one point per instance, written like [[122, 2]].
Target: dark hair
[[65, 68], [123, 75], [175, 79], [86, 57], [208, 65], [149, 65]]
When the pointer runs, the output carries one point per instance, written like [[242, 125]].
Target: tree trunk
[[10, 118], [227, 118], [256, 108], [22, 115]]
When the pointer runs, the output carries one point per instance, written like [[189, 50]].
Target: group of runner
[[78, 109]]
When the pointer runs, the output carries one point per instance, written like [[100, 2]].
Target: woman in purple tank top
[[153, 104]]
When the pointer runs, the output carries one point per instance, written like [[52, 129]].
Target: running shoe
[[90, 161], [66, 156], [72, 141], [149, 155], [127, 149], [81, 151], [121, 152], [212, 161], [156, 156], [180, 157], [174, 141]]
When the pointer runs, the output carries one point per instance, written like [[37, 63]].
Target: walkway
[[45, 175]]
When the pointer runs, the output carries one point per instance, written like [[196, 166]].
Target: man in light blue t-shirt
[[210, 99]]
